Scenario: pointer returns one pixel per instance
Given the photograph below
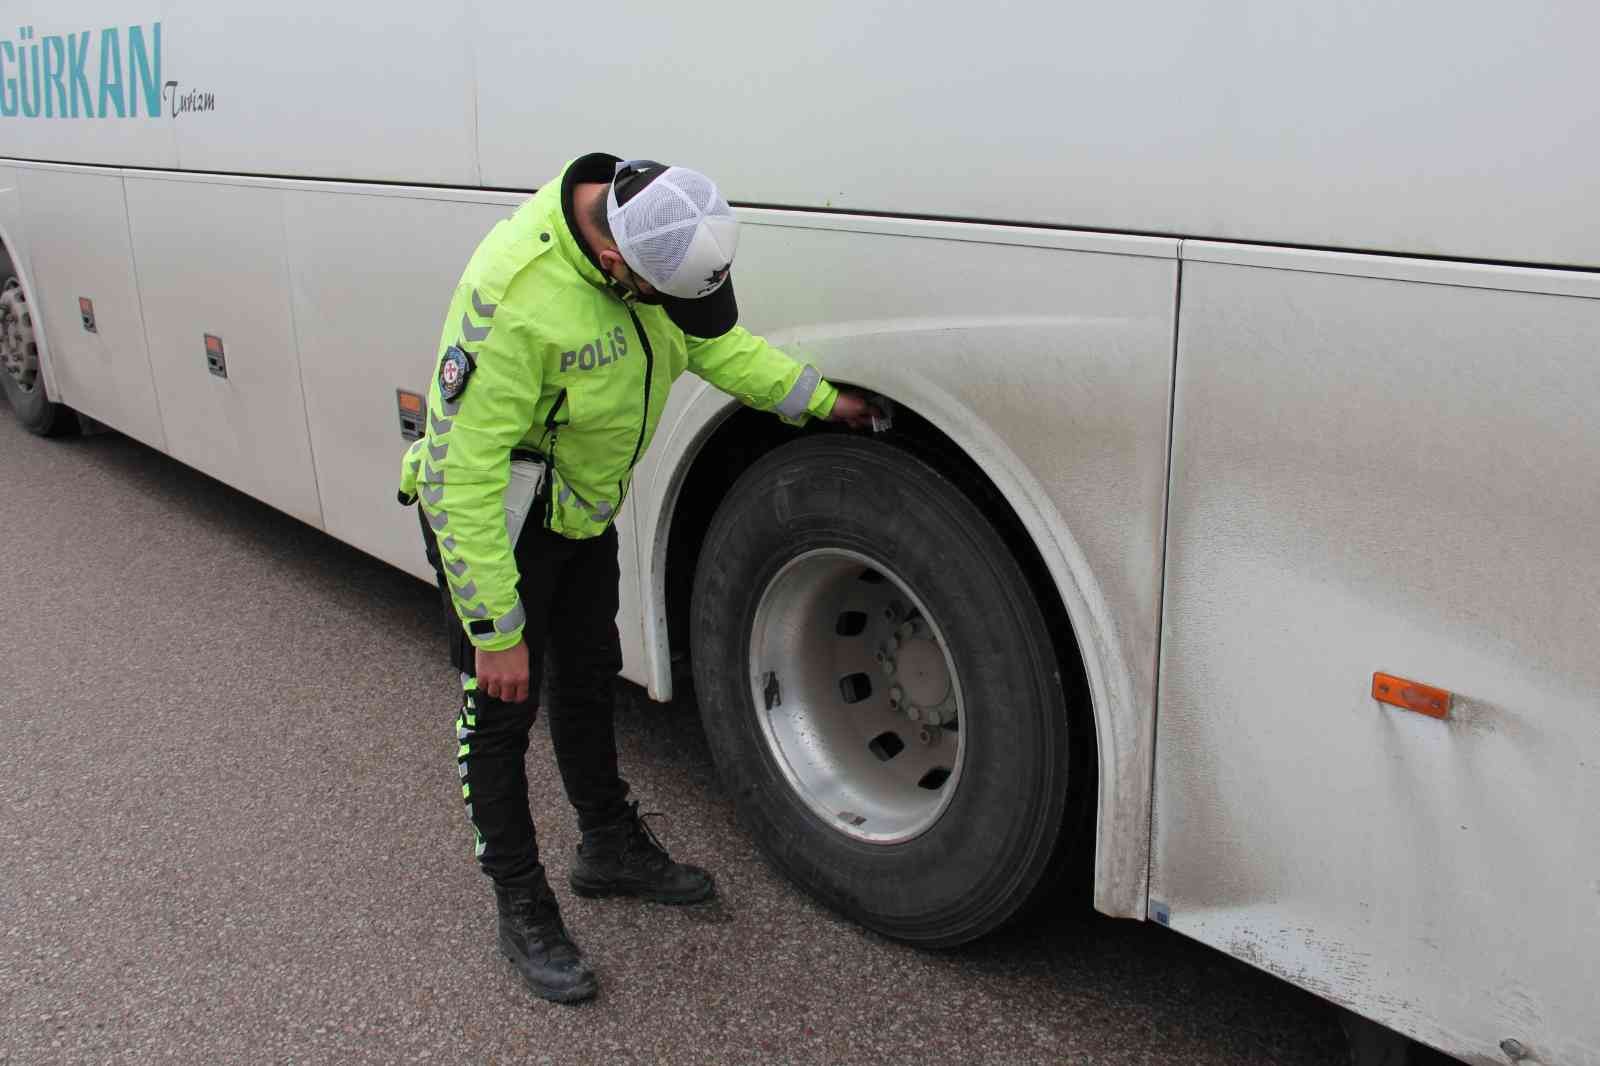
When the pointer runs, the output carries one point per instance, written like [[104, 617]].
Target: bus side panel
[[1238, 119], [1382, 475], [378, 89], [113, 111], [372, 276], [211, 261], [78, 243], [1407, 127]]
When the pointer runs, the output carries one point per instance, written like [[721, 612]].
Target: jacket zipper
[[555, 409], [549, 486], [550, 475], [644, 419], [649, 369]]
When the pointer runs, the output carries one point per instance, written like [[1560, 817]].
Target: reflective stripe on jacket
[[563, 367]]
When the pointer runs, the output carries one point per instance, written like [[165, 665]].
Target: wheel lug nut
[[913, 712], [896, 697]]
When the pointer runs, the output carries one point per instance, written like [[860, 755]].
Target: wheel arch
[[710, 439]]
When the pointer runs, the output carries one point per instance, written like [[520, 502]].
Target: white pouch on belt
[[522, 491]]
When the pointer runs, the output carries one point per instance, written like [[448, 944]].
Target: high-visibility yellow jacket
[[549, 359]]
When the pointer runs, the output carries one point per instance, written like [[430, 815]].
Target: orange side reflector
[[213, 344], [85, 306], [410, 402], [1411, 695]]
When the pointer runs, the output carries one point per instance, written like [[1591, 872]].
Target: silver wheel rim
[[857, 695], [19, 352]]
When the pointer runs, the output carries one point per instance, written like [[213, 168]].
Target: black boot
[[533, 937], [625, 859]]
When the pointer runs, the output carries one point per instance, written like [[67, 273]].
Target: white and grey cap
[[676, 231]]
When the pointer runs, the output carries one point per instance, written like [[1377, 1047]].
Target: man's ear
[[609, 258]]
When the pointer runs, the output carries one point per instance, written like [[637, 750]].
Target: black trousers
[[569, 593]]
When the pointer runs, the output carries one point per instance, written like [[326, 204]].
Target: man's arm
[[466, 466], [758, 375]]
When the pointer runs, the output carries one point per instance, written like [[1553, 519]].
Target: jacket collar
[[596, 166]]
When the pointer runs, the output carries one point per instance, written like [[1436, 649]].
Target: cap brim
[[709, 316]]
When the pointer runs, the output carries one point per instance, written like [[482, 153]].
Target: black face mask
[[708, 317], [623, 291]]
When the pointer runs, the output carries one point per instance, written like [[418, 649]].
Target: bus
[[1235, 528]]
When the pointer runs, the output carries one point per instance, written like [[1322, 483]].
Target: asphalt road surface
[[230, 831]]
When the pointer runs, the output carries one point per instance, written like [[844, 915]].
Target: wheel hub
[[922, 673], [857, 696], [19, 352]]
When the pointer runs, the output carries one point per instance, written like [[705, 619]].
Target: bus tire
[[21, 378], [880, 691]]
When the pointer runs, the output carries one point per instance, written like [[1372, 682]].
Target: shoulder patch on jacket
[[454, 370]]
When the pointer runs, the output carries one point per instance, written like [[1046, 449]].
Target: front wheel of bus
[[19, 359], [880, 691]]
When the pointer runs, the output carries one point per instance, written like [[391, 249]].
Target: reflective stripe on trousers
[[569, 589]]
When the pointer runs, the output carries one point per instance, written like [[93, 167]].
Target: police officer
[[567, 329]]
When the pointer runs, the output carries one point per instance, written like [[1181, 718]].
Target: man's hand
[[854, 410], [504, 674]]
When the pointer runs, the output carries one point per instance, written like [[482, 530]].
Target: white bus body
[[1276, 326]]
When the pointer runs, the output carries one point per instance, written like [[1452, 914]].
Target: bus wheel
[[19, 360], [880, 691]]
